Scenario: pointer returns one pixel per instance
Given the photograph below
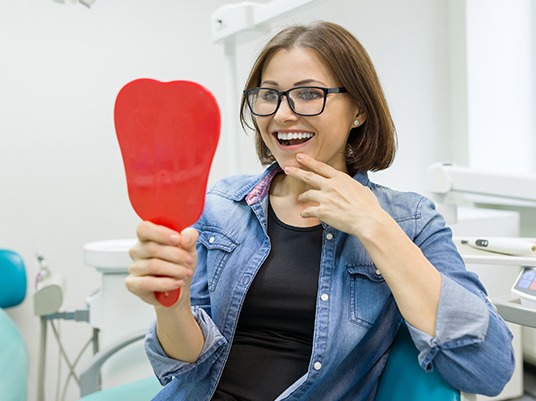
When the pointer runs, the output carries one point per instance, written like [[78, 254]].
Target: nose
[[284, 112]]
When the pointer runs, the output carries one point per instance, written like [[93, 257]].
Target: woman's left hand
[[338, 199]]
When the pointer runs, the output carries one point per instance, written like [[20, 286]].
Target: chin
[[287, 162]]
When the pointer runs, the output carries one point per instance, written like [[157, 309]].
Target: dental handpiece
[[507, 246]]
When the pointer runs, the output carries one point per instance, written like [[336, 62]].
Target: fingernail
[[287, 170], [173, 238], [300, 156]]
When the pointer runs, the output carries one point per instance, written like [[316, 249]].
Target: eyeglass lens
[[302, 100]]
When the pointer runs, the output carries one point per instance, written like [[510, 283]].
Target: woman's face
[[322, 137]]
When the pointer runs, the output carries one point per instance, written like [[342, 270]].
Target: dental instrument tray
[[520, 306]]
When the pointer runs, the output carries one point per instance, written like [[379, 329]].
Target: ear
[[359, 119]]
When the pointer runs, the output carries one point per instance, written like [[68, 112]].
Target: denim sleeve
[[165, 367], [472, 349]]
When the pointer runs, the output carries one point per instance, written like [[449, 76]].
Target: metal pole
[[231, 113], [42, 358]]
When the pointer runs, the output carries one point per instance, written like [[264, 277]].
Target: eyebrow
[[299, 83]]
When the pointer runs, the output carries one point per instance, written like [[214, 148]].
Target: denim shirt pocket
[[368, 292], [220, 246]]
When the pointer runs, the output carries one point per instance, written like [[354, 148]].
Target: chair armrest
[[89, 378]]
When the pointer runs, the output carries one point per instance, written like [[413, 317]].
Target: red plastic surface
[[168, 133]]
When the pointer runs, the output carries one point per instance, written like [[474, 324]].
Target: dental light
[[493, 187]]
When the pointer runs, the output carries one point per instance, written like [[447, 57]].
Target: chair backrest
[[14, 361], [404, 379], [12, 278], [14, 358]]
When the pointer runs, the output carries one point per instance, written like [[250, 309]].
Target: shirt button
[[211, 240], [378, 272], [317, 366], [329, 236], [324, 297]]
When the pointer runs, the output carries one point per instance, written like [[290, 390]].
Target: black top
[[274, 336]]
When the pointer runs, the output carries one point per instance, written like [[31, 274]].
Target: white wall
[[494, 92], [61, 178], [501, 83]]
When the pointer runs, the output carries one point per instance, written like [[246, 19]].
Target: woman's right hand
[[162, 260]]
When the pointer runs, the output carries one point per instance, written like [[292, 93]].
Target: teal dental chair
[[402, 380], [14, 358]]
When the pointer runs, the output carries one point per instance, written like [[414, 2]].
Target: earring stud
[[356, 122]]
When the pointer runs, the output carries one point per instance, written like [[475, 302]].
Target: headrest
[[12, 278]]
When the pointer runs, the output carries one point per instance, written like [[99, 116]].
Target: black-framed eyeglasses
[[303, 100]]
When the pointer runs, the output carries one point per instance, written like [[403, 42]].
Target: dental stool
[[14, 358]]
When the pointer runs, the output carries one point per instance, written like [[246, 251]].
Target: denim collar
[[262, 186]]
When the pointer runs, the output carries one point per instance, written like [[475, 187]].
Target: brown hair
[[372, 145]]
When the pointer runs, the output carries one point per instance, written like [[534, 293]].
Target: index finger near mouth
[[314, 165], [309, 177]]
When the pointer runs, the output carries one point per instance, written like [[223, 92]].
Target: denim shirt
[[356, 316]]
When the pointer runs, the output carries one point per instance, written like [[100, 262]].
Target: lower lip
[[292, 147]]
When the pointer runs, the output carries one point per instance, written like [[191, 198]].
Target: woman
[[294, 283]]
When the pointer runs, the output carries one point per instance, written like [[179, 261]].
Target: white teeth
[[285, 136]]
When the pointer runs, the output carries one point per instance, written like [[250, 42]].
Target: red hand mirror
[[168, 133]]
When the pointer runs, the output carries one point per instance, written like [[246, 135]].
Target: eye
[[308, 94], [267, 95]]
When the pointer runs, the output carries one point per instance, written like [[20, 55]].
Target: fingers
[[162, 260], [189, 238], [313, 166], [161, 242], [181, 267], [145, 286], [315, 174], [329, 194], [148, 231]]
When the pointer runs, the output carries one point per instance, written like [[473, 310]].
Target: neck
[[284, 193], [284, 186]]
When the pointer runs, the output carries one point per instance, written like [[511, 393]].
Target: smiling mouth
[[293, 138]]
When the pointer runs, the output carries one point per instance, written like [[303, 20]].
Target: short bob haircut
[[372, 145]]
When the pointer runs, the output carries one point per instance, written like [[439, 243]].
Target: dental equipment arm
[[90, 378], [444, 178]]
